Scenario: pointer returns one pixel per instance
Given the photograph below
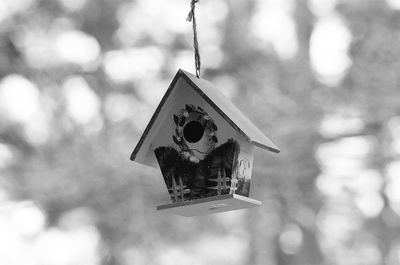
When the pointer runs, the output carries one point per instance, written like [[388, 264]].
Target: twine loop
[[191, 18]]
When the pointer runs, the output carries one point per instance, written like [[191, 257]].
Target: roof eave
[[266, 147]]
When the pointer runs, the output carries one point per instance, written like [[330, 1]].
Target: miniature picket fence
[[179, 190]]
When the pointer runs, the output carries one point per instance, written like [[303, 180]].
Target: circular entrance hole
[[193, 131]]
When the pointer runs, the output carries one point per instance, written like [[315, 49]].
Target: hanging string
[[191, 17]]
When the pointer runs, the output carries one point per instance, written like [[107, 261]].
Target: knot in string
[[191, 12], [191, 17]]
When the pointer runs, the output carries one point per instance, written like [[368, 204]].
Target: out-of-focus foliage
[[81, 78]]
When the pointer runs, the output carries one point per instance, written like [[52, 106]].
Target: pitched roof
[[222, 106]]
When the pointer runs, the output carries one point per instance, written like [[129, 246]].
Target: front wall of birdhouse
[[199, 153]]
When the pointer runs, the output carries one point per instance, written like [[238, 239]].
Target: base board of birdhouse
[[215, 204]]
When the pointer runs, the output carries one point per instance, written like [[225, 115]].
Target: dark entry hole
[[193, 131]]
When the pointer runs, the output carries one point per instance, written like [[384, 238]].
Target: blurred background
[[80, 79]]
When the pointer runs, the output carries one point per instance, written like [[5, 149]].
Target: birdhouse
[[204, 146]]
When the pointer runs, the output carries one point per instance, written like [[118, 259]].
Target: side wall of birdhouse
[[205, 168], [243, 167]]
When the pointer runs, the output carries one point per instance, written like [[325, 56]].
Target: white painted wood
[[244, 168], [217, 204], [184, 94]]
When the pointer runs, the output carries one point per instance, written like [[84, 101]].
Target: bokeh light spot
[[133, 64], [291, 239], [74, 46], [83, 104], [6, 156], [19, 98], [273, 23], [329, 45]]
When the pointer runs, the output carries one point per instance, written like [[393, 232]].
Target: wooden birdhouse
[[204, 147]]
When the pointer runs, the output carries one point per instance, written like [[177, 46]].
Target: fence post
[[219, 182], [224, 178], [174, 189], [181, 189]]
